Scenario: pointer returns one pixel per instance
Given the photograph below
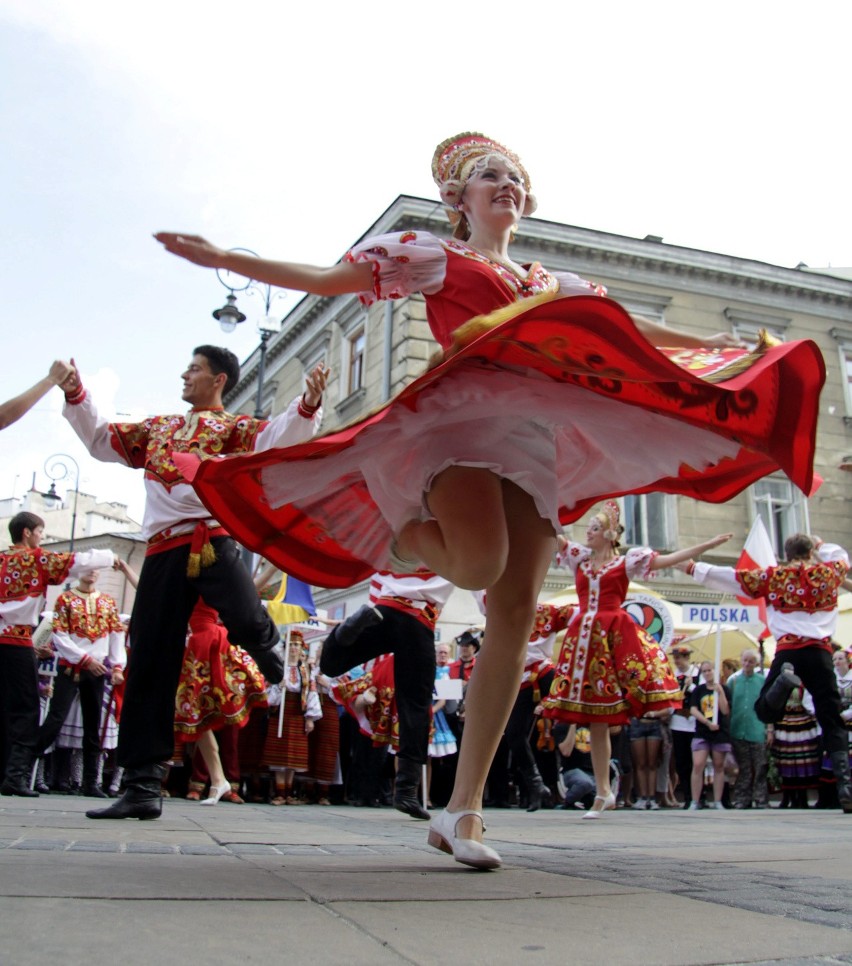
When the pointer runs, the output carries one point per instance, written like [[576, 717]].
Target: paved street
[[251, 884]]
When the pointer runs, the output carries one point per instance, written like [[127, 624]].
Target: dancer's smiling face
[[494, 194], [595, 535]]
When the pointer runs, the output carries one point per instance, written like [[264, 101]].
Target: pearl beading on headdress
[[455, 159]]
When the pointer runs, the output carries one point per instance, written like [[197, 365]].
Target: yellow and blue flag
[[293, 602]]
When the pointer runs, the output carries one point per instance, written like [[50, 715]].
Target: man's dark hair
[[221, 360], [798, 547], [23, 521]]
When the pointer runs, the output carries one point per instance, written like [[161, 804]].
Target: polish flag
[[757, 554]]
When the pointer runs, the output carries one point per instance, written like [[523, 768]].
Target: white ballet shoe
[[216, 792], [608, 803], [442, 835]]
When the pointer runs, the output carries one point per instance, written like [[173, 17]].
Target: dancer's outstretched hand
[[315, 383], [59, 372], [193, 248], [719, 539], [725, 340]]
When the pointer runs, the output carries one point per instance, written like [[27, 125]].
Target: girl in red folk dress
[[540, 405], [287, 755], [219, 686], [609, 670], [371, 700], [324, 740]]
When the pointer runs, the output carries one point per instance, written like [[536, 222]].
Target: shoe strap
[[458, 816]]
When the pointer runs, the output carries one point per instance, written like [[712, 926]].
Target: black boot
[[16, 785], [538, 793], [840, 764], [19, 769], [91, 788], [405, 789], [353, 627], [142, 798], [774, 699]]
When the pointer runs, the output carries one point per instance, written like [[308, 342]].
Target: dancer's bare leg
[[496, 677], [601, 752], [209, 749], [468, 541]]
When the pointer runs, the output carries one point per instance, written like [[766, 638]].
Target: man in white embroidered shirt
[[189, 555], [801, 611]]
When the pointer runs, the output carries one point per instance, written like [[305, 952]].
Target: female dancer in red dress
[[534, 413], [609, 670], [219, 685]]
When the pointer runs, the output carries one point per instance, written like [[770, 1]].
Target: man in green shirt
[[749, 735]]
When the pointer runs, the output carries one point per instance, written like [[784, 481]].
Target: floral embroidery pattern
[[149, 445], [792, 587], [608, 668], [71, 616], [26, 573], [207, 699], [537, 280]]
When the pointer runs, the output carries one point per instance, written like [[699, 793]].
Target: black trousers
[[413, 647], [91, 689], [19, 703], [520, 723], [816, 669], [165, 598], [682, 752]]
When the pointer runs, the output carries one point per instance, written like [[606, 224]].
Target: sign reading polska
[[720, 614]]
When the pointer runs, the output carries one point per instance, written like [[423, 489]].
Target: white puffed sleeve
[[637, 563], [572, 556], [403, 263], [571, 284]]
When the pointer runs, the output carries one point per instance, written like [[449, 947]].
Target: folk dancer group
[[539, 406]]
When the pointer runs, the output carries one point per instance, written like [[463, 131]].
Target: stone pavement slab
[[343, 885]]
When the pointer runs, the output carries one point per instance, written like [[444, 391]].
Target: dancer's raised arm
[[331, 280], [663, 560]]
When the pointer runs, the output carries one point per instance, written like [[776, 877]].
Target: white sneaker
[[639, 805], [653, 805], [719, 807], [693, 807]]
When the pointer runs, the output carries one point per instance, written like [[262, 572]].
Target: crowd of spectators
[[735, 761]]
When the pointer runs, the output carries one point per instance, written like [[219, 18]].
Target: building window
[[747, 325], [783, 509], [648, 520], [651, 307], [357, 344], [843, 338]]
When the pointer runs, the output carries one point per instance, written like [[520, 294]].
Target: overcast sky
[[289, 128]]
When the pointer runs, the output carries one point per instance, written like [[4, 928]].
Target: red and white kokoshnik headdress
[[612, 515], [456, 158]]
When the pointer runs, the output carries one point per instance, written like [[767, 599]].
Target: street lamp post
[[57, 468], [229, 317]]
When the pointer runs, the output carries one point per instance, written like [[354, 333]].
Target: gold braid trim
[[471, 330], [744, 363]]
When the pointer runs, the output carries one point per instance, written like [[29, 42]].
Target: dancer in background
[[538, 406], [609, 670], [26, 571], [400, 620], [89, 641], [801, 612], [219, 687], [288, 754]]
